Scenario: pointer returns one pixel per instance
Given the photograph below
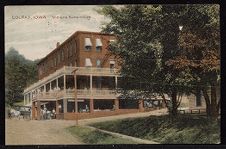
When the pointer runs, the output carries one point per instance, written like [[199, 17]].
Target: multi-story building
[[78, 79]]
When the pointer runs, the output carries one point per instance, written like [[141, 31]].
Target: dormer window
[[98, 45], [88, 44]]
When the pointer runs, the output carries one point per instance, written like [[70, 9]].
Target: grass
[[19, 103], [186, 129], [90, 136]]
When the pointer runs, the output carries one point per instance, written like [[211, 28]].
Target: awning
[[112, 40], [88, 42], [88, 62], [98, 43], [79, 100], [44, 103], [112, 62]]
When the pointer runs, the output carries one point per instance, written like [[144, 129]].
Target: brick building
[[78, 79]]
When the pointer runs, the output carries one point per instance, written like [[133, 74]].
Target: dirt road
[[33, 132], [24, 132]]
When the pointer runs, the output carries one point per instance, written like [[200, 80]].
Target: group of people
[[45, 114]]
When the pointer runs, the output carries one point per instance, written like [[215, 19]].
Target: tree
[[200, 41], [149, 49], [19, 73]]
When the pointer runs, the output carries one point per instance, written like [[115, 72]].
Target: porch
[[86, 108]]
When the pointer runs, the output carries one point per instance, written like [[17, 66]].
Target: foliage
[[19, 73], [156, 57], [96, 137], [185, 129]]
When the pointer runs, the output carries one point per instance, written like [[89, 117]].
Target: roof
[[73, 35]]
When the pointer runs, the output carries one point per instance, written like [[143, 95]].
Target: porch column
[[64, 82], [30, 97], [27, 98], [141, 105], [163, 104], [50, 86], [75, 92], [65, 105], [91, 105], [38, 110], [57, 107], [33, 110], [91, 84], [44, 87], [56, 82], [159, 104], [116, 103], [24, 99], [116, 82]]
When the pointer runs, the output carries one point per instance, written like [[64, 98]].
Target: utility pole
[[75, 93]]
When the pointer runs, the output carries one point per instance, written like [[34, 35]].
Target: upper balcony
[[80, 93], [69, 70]]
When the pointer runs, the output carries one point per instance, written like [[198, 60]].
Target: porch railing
[[79, 71], [81, 93]]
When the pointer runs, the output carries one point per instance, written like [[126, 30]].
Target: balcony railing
[[96, 71], [81, 93], [67, 70]]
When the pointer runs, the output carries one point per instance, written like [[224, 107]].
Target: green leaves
[[19, 73], [156, 52]]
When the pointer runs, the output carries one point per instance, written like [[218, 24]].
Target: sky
[[34, 30]]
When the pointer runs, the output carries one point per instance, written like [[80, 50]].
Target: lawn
[[186, 129], [90, 136], [19, 103]]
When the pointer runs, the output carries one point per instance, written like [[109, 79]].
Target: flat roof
[[74, 34]]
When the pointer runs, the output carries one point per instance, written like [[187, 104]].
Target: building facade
[[78, 80]]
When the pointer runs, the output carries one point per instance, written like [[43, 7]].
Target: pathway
[[33, 132]]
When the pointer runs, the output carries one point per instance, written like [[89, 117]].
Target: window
[[58, 58], [88, 48], [112, 66], [98, 45], [111, 42], [98, 49], [52, 63], [55, 61], [88, 62], [98, 63], [67, 48], [70, 49], [73, 42], [40, 71], [62, 55], [43, 67], [88, 44], [75, 46]]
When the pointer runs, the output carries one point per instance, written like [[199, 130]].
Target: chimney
[[58, 43]]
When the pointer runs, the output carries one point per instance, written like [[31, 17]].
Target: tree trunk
[[211, 107], [214, 106], [174, 103], [207, 99]]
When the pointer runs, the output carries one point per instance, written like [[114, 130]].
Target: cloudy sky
[[35, 30]]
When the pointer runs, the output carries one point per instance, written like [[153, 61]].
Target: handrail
[[68, 70], [70, 92]]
